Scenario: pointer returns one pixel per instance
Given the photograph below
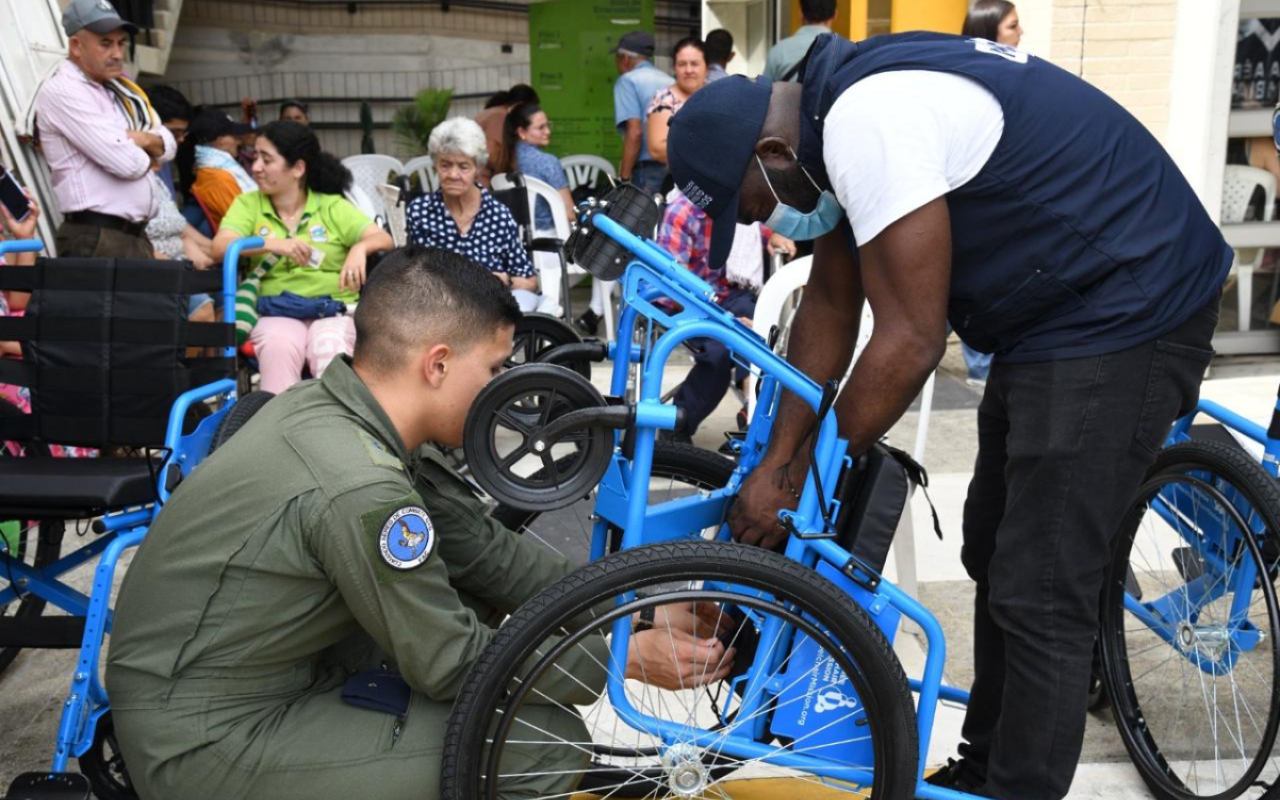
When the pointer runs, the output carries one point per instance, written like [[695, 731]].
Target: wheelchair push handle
[[20, 246], [230, 280]]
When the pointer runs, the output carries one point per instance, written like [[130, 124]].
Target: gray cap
[[98, 16], [637, 42]]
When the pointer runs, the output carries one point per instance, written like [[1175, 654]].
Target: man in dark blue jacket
[[956, 179]]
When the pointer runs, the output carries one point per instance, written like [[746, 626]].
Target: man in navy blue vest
[[945, 178]]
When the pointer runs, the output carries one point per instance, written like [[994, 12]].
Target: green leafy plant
[[412, 124], [366, 128]]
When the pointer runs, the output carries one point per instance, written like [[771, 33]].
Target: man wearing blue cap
[[638, 81], [945, 178]]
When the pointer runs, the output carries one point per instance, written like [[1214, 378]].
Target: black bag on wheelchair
[[873, 494]]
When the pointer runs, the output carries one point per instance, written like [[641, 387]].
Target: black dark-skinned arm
[[905, 273], [823, 332]]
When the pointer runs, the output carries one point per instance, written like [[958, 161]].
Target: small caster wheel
[[503, 443]]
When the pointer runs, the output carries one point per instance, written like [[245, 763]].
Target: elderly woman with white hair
[[464, 218]]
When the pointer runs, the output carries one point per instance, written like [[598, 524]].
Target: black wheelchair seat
[[72, 488]]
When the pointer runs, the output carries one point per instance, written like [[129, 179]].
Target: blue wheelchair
[[1187, 641], [792, 675], [110, 362]]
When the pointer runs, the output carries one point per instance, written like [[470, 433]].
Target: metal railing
[[334, 98]]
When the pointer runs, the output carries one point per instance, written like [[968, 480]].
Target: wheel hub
[[1209, 641], [687, 775]]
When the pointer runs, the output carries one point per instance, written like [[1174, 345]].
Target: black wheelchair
[[110, 362]]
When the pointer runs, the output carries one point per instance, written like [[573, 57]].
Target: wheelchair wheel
[[679, 470], [236, 417], [501, 433], [37, 544], [535, 334], [1190, 630], [531, 719], [103, 764]]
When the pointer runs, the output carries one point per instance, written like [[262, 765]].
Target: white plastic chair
[[774, 298], [425, 169], [1239, 186], [369, 171], [361, 199], [390, 196], [550, 275], [585, 170]]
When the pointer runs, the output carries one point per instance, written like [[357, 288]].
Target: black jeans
[[1062, 449]]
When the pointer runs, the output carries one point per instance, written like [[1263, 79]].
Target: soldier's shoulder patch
[[407, 538]]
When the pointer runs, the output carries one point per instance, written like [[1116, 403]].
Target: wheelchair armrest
[[546, 245]]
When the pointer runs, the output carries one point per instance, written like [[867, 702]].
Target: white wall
[[222, 65], [1200, 97], [203, 52]]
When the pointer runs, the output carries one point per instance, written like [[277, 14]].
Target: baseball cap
[[98, 16], [638, 42], [710, 145], [210, 123]]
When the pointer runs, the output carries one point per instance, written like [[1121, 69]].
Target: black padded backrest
[[104, 346], [516, 199]]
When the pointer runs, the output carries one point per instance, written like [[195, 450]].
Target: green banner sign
[[574, 72]]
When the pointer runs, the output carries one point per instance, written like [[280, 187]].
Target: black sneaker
[[959, 776], [588, 323]]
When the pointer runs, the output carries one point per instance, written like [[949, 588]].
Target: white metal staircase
[[154, 46]]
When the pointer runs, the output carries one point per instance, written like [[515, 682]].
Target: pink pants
[[284, 344]]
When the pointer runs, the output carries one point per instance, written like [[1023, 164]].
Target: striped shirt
[[94, 164]]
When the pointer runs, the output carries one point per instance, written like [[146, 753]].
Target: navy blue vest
[[1078, 237]]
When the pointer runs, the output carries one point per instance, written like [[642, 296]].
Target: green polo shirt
[[329, 223]]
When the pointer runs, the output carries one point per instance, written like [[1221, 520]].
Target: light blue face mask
[[798, 225]]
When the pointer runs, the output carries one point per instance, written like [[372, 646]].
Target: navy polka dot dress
[[493, 240]]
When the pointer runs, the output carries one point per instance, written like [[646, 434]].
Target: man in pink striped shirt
[[99, 154]]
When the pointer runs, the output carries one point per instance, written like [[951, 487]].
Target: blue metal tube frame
[[695, 295], [230, 260], [20, 246], [1232, 420], [87, 700]]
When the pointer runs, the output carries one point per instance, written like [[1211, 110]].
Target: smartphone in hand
[[13, 197]]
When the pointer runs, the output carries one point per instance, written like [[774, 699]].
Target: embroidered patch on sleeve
[[407, 538]]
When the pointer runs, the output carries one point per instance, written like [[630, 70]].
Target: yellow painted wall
[[851, 18], [944, 16]]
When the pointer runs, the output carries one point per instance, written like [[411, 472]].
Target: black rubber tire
[[537, 334], [693, 465], [240, 412], [103, 764], [1230, 472], [872, 665], [560, 391], [671, 460], [45, 539]]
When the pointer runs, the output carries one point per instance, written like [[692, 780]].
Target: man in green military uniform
[[314, 546]]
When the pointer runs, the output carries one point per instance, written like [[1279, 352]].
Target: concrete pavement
[[35, 685]]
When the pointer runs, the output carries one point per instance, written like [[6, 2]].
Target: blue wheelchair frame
[[86, 701], [623, 495], [1252, 430], [1176, 504]]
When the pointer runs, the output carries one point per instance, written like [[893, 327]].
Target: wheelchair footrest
[[49, 786], [63, 633]]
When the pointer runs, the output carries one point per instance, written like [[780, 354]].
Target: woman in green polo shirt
[[317, 244]]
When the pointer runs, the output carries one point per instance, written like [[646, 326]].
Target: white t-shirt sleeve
[[894, 141]]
